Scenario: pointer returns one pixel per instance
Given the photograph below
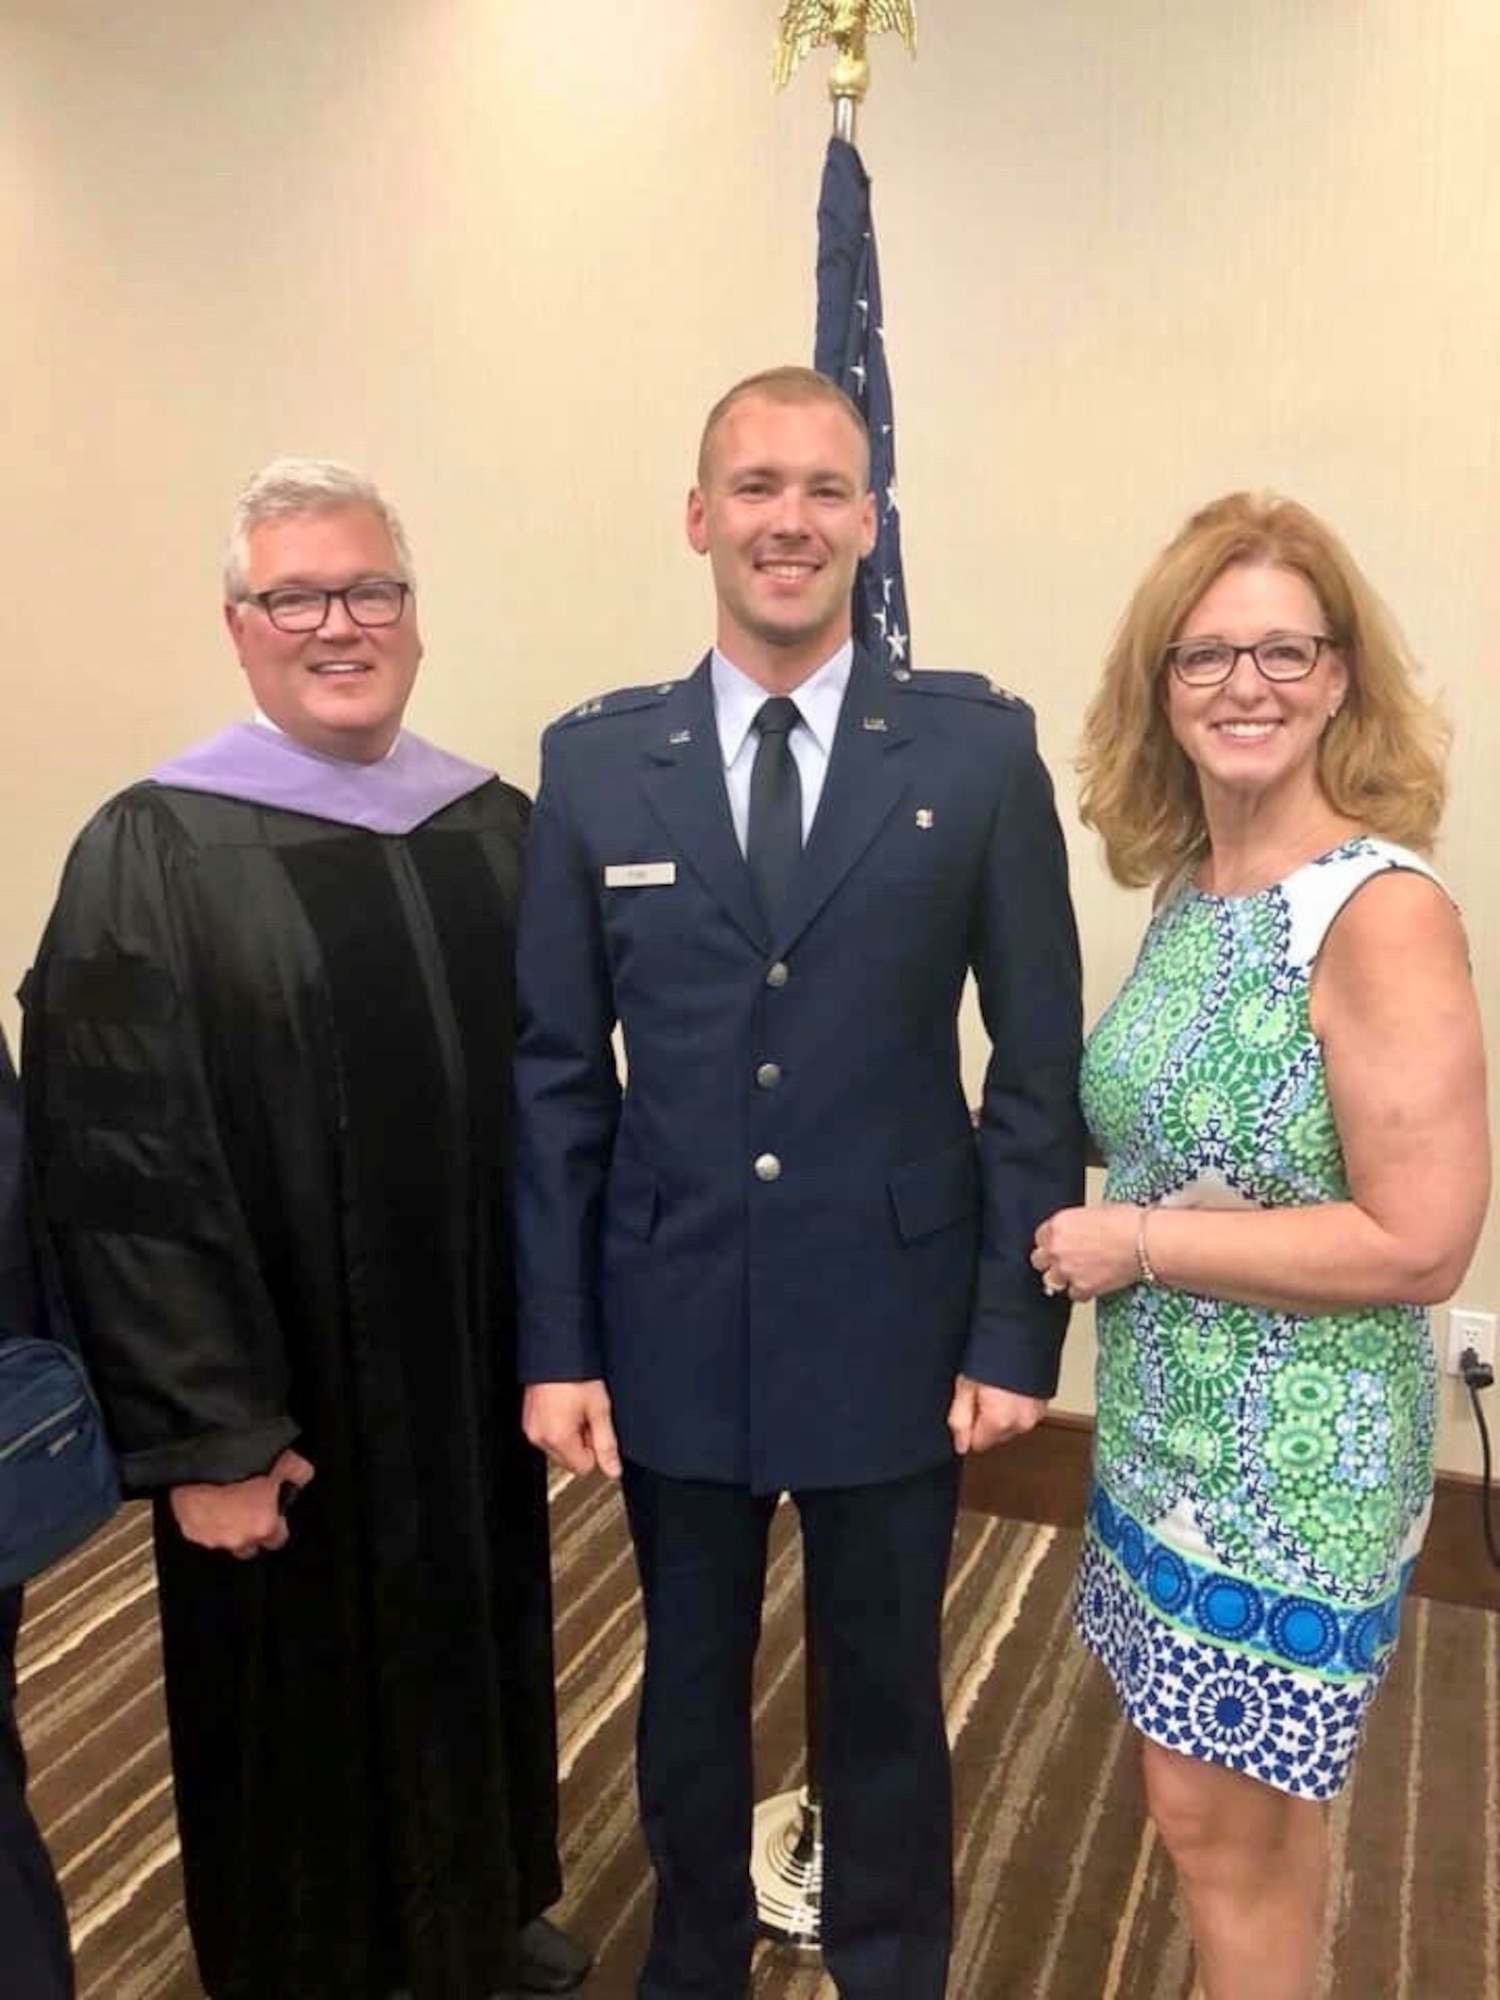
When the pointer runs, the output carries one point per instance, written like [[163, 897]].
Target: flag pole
[[786, 1855]]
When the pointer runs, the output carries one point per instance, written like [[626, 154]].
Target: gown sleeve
[[160, 1267]]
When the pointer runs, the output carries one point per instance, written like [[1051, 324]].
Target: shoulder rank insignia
[[620, 701], [955, 681]]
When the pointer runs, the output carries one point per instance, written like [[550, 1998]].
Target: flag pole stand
[[786, 1842]]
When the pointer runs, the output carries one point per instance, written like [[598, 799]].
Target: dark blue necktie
[[773, 841]]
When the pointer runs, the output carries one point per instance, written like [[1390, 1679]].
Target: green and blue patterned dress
[[1262, 1481]]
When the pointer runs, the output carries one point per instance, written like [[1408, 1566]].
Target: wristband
[[1143, 1262]]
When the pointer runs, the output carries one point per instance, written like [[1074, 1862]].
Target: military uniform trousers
[[875, 1559]]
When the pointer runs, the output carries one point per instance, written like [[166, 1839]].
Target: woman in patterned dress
[[1289, 1096]]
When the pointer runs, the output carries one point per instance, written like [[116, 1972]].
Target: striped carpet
[[1063, 1894]]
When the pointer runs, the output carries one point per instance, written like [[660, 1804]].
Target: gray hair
[[290, 486]]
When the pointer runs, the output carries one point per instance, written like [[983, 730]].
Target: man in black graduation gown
[[267, 1051]]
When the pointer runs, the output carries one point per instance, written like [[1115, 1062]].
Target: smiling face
[[784, 513], [1250, 738], [342, 689]]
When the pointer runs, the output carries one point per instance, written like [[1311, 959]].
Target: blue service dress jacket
[[777, 1236]]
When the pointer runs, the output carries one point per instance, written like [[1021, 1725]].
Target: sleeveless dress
[[1262, 1481]]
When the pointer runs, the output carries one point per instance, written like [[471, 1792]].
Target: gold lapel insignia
[[874, 723], [924, 817], [681, 736]]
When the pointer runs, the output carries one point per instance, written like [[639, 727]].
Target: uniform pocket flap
[[932, 1193]]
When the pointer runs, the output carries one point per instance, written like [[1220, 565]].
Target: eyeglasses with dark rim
[[379, 600], [1280, 656]]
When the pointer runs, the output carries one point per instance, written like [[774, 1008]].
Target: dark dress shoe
[[551, 1961]]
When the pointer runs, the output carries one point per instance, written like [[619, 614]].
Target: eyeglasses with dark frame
[[1280, 656], [376, 601]]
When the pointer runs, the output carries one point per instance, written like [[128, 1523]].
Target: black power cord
[[1479, 1375]]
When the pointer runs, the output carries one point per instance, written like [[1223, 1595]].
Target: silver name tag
[[639, 874]]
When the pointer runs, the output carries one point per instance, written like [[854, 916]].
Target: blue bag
[[58, 1478], [58, 1481]]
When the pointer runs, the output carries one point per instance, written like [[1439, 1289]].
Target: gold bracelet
[[1143, 1262]]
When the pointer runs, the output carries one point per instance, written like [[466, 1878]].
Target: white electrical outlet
[[1470, 1329]]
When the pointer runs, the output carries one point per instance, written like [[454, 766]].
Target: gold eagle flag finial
[[809, 24]]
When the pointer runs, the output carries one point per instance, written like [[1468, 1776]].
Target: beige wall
[[503, 252]]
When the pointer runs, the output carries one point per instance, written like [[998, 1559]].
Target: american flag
[[850, 347]]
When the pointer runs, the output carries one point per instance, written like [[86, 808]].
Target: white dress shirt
[[737, 701]]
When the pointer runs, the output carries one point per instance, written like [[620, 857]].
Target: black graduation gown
[[268, 1066]]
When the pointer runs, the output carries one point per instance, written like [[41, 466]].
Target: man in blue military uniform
[[776, 1258]]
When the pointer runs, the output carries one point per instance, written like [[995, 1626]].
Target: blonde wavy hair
[[1380, 760]]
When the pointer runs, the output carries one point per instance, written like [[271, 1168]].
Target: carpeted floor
[[1062, 1892]]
